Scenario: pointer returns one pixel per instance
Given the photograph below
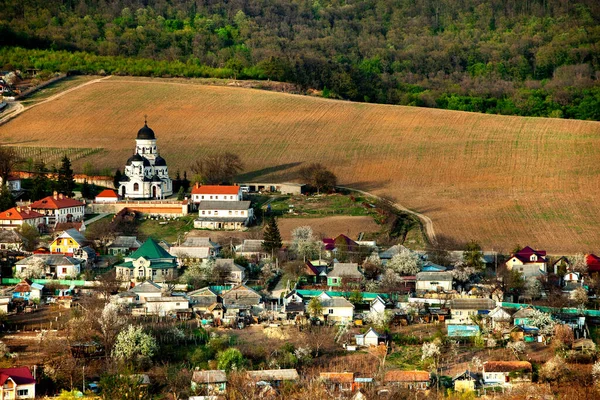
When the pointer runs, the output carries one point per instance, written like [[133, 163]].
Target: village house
[[273, 377], [341, 244], [16, 383], [593, 263], [237, 273], [466, 381], [434, 281], [413, 380], [523, 315], [344, 273], [240, 297], [27, 290], [141, 292], [55, 265], [15, 217], [561, 266], [67, 242], [216, 193], [4, 302], [150, 261], [58, 208], [10, 240], [529, 262], [209, 382], [506, 372], [202, 298], [463, 310], [338, 382], [525, 333], [107, 196], [163, 305], [501, 318], [336, 309], [369, 338], [196, 249], [377, 306], [315, 274], [252, 249], [387, 255], [13, 182], [228, 215], [123, 245]]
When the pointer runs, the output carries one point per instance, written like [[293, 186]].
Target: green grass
[[168, 231], [405, 358], [316, 206]]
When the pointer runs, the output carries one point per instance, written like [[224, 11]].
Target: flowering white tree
[[380, 320], [374, 258], [462, 272], [406, 262], [133, 342], [36, 268], [430, 350], [578, 263], [533, 288], [596, 372], [555, 369], [542, 321], [580, 297], [517, 348], [304, 243], [111, 322]]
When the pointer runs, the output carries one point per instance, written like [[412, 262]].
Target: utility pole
[[83, 376]]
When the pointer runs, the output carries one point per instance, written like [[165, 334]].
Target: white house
[[237, 273], [529, 262], [141, 292], [58, 208], [464, 309], [17, 216], [13, 183], [434, 281], [336, 309], [146, 173], [55, 265], [377, 305], [252, 249], [165, 304], [506, 372], [231, 215], [196, 248], [369, 338], [216, 193], [16, 383], [500, 317], [107, 196]]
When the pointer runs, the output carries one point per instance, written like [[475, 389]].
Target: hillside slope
[[498, 180]]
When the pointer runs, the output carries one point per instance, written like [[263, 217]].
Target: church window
[[136, 187], [143, 150]]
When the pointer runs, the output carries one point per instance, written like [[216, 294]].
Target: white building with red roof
[[16, 383], [17, 216], [529, 262], [107, 196], [216, 193], [59, 208]]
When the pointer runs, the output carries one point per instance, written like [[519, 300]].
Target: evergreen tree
[[6, 199], [185, 182], [41, 183], [271, 237], [117, 178], [181, 193], [66, 181], [473, 256], [177, 182], [85, 190]]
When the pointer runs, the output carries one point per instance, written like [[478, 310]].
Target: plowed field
[[496, 179]]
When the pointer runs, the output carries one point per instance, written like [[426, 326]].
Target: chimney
[[197, 185], [18, 209], [61, 196], [55, 195]]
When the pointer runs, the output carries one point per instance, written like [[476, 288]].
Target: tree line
[[536, 58]]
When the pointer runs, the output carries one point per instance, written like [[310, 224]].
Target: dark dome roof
[[145, 133], [155, 178], [160, 162], [124, 178], [137, 157]]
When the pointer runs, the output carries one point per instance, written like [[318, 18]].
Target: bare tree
[[9, 159], [217, 168], [317, 176]]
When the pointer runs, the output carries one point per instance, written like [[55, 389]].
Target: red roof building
[[527, 255], [16, 216], [58, 208], [17, 383], [593, 263], [107, 196], [216, 193]]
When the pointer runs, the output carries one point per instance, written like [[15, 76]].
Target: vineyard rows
[[51, 156]]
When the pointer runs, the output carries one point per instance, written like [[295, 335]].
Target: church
[[146, 174]]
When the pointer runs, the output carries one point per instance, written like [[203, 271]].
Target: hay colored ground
[[495, 179]]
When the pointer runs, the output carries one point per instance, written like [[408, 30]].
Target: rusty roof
[[406, 376], [338, 377], [506, 366]]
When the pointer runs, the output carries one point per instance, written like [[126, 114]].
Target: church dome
[[146, 133], [155, 178], [160, 162], [137, 157]]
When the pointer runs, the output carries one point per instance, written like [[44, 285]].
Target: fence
[[570, 310], [14, 281]]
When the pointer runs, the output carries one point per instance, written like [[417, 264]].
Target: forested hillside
[[519, 57]]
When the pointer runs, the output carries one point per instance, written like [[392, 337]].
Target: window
[[136, 187], [177, 304], [230, 212], [202, 197], [216, 212], [203, 212], [211, 197], [23, 392], [64, 270], [236, 213]]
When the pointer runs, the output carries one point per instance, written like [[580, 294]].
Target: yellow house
[[67, 242]]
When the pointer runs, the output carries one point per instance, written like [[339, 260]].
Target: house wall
[[156, 274], [339, 314], [66, 270], [216, 224], [166, 306], [63, 245], [432, 286], [528, 270], [105, 200], [196, 198], [464, 385], [461, 316]]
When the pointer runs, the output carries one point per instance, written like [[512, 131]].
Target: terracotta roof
[[108, 193], [18, 213], [21, 375], [506, 366], [593, 262], [56, 202], [216, 189], [406, 376], [338, 377]]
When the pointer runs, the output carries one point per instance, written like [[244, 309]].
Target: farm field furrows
[[499, 180]]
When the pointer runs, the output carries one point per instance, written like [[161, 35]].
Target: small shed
[[369, 338]]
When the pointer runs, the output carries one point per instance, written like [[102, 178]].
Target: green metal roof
[[151, 250], [153, 265]]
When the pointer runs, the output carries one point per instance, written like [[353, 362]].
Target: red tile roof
[[593, 262], [406, 376], [56, 202], [21, 375], [216, 189], [506, 366], [108, 193], [338, 377], [18, 213]]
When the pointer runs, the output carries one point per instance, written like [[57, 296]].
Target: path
[[425, 220], [20, 108], [96, 218]]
